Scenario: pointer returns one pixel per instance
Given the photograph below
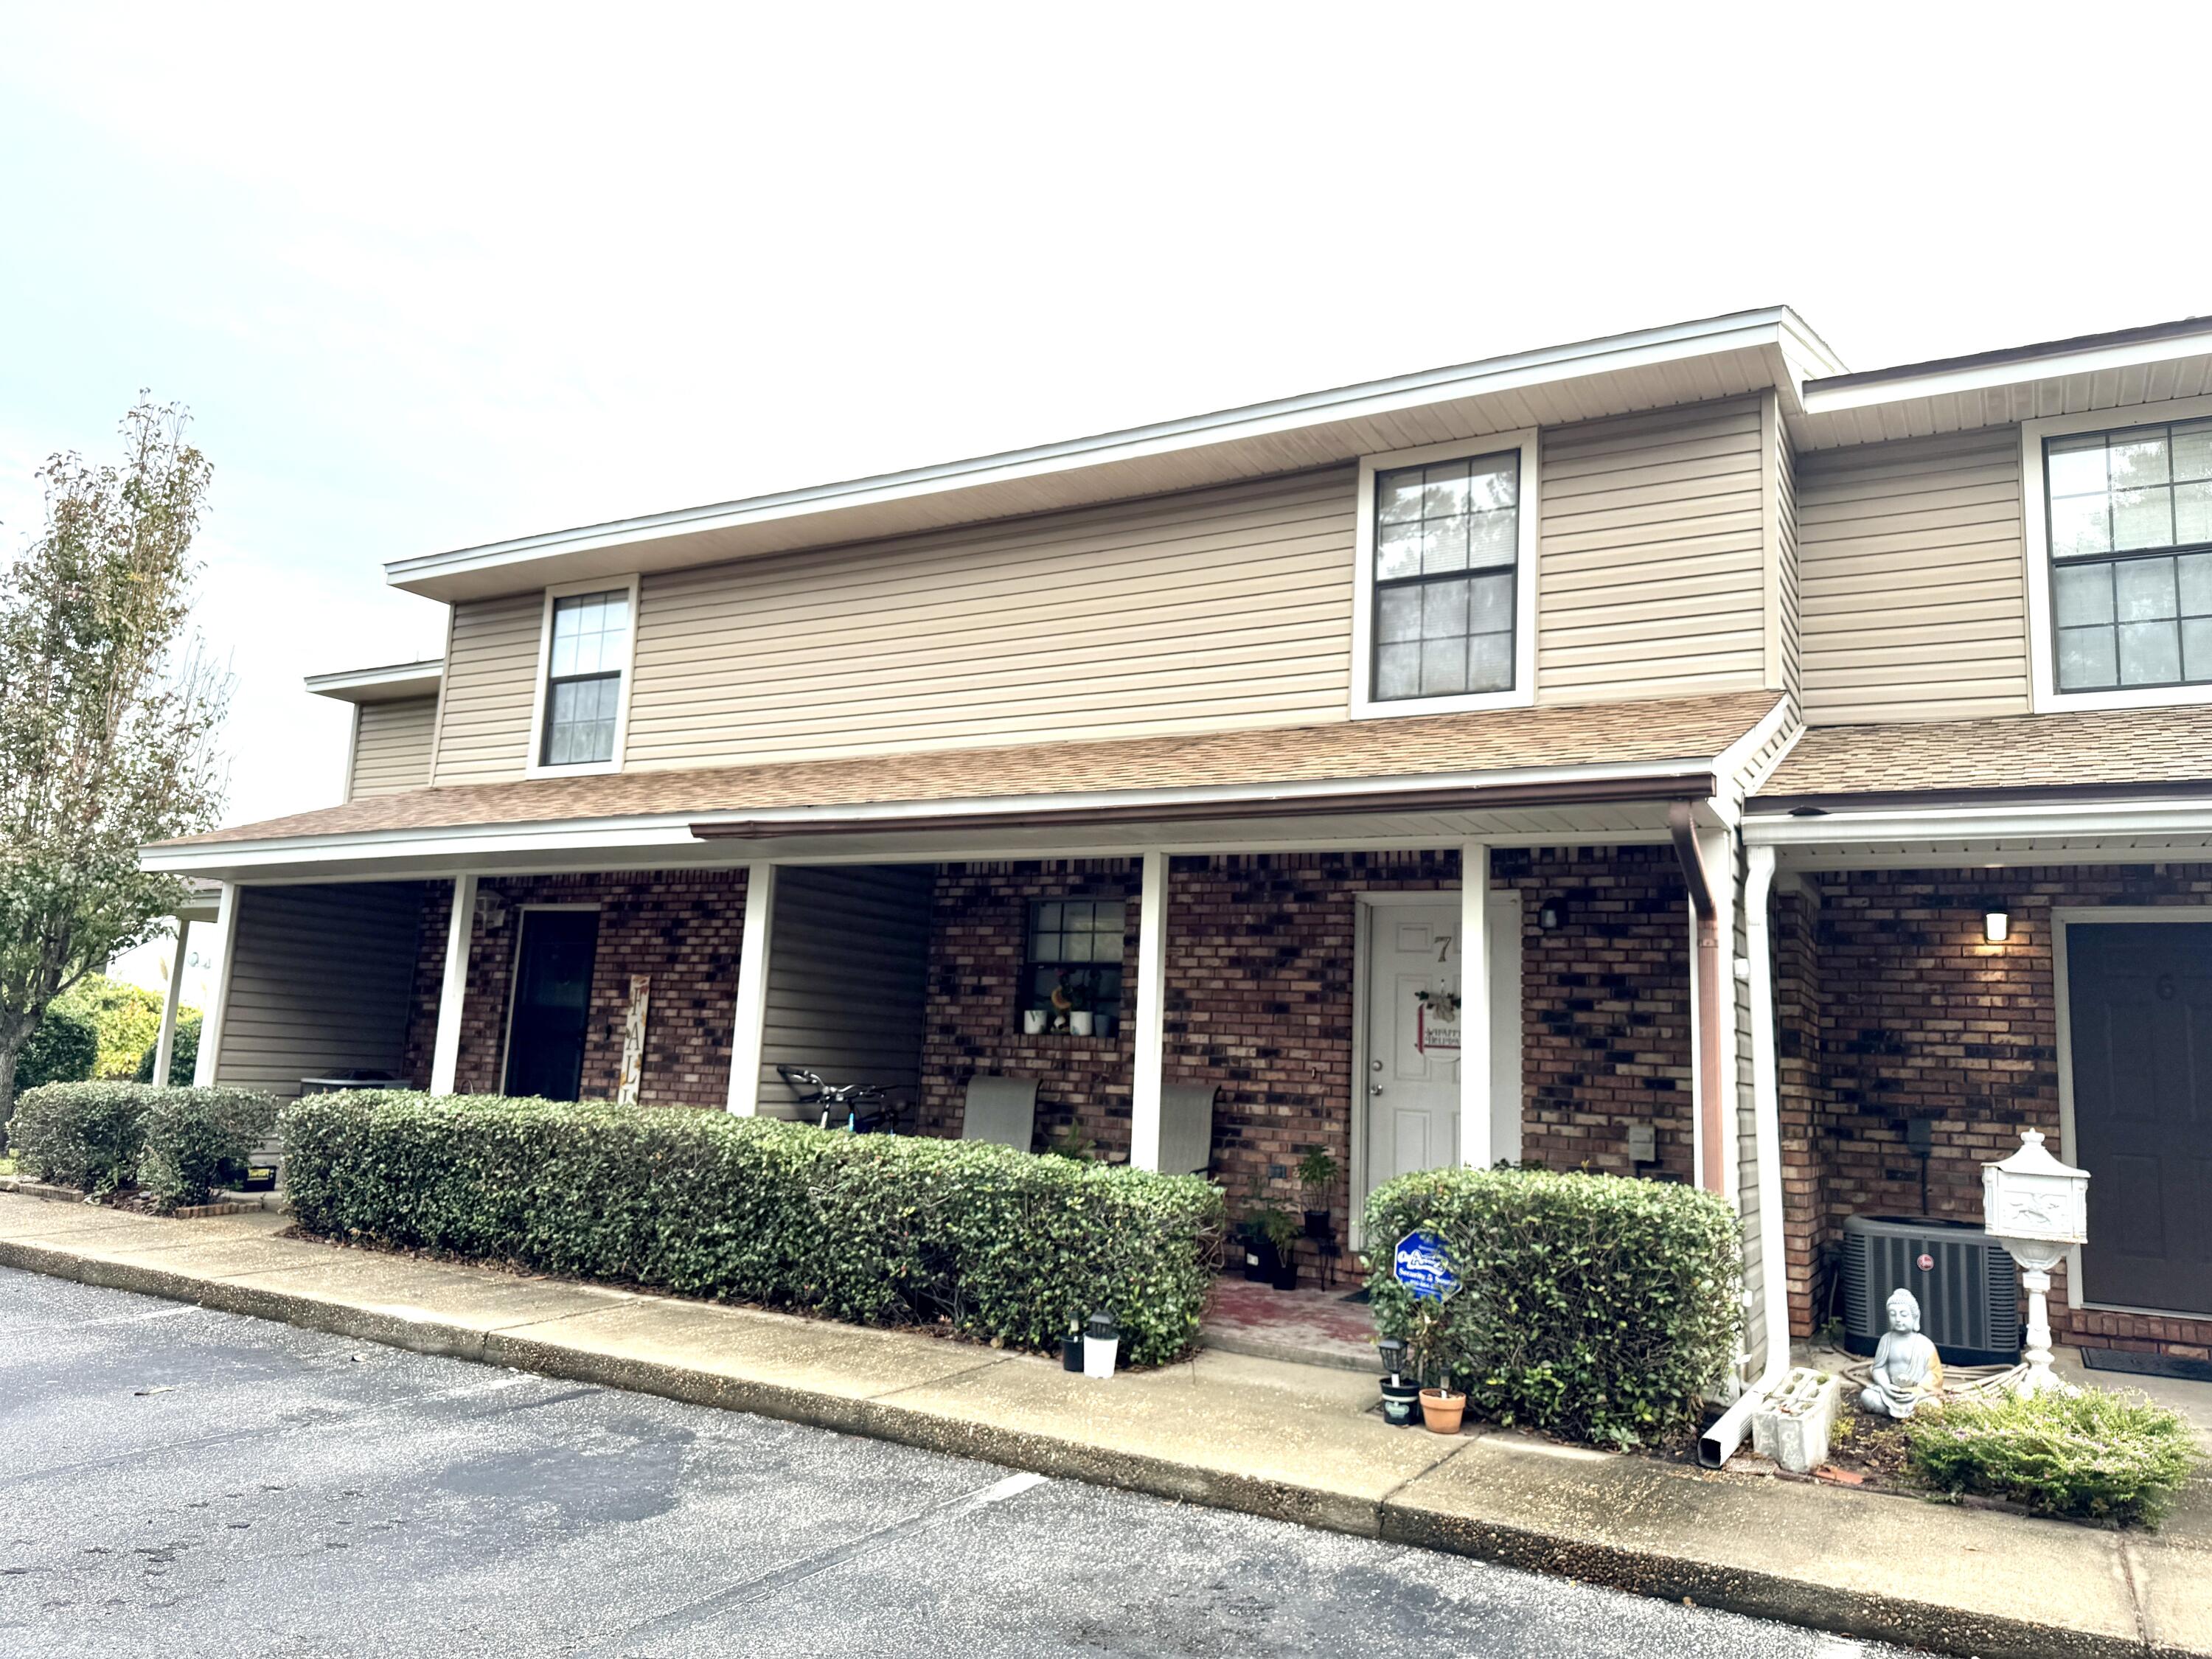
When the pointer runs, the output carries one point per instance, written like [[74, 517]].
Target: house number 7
[[1443, 947]]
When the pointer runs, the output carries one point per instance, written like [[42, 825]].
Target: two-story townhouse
[[1690, 708]]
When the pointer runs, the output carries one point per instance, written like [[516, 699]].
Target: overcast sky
[[433, 277]]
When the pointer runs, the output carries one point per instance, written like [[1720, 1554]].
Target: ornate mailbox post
[[2038, 1208]]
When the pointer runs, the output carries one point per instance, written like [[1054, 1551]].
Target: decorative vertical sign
[[1436, 1024], [633, 1054]]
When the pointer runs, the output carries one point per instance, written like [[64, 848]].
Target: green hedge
[[184, 1056], [63, 1047], [2089, 1456], [102, 1137], [1593, 1306], [874, 1229]]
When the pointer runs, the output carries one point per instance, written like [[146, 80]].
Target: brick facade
[[684, 928], [1913, 1015], [1259, 1000]]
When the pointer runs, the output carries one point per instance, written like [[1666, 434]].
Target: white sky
[[432, 276]]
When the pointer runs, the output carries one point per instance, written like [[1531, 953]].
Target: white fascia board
[[467, 841], [2045, 820], [387, 684], [1986, 377], [1773, 326]]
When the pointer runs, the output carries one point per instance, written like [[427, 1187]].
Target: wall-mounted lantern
[[1547, 915], [1996, 925]]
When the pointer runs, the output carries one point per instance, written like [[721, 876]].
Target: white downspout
[[1721, 1441]]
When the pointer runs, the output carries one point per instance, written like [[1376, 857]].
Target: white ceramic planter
[[1098, 1355], [1033, 1022], [1079, 1021]]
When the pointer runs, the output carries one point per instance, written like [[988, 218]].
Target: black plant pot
[[1402, 1403], [1259, 1262], [1071, 1352], [1317, 1225], [1285, 1276]]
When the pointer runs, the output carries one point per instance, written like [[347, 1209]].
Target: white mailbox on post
[[2038, 1209]]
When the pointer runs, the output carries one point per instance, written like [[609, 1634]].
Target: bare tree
[[108, 717]]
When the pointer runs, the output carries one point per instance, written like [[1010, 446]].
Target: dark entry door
[[552, 1000], [2141, 997]]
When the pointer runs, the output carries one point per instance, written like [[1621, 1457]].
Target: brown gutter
[[1712, 1173], [1566, 793]]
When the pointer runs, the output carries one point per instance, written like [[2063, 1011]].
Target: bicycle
[[866, 1108]]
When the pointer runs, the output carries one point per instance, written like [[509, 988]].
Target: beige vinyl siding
[[322, 978], [1220, 608], [847, 977], [1787, 584], [392, 746], [1915, 584], [1652, 557], [490, 687]]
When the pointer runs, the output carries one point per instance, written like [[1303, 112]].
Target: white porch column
[[446, 1056], [165, 1043], [750, 1032], [1474, 1150], [226, 922], [1151, 1014]]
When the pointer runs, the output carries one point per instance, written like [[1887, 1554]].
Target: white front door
[[1411, 1081]]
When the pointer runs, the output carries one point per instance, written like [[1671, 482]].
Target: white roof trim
[[2041, 821], [1795, 349], [1939, 381], [387, 684]]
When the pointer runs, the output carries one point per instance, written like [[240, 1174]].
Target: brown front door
[[2141, 1030]]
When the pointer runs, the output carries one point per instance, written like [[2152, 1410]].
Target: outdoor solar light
[[1997, 926], [1392, 1350]]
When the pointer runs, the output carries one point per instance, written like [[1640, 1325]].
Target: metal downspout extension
[[1712, 1173], [1721, 1441]]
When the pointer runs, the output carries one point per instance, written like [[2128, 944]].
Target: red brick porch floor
[[1312, 1327]]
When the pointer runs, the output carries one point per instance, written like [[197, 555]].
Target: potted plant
[[1442, 1406], [1282, 1236], [1401, 1399], [1033, 1021], [1316, 1183], [1258, 1248], [1072, 998]]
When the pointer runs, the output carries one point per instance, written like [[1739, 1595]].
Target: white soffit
[[1686, 362], [392, 683], [2115, 371]]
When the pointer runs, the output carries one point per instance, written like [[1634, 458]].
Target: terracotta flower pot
[[1442, 1409]]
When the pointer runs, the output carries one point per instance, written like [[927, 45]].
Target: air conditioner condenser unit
[[1968, 1286]]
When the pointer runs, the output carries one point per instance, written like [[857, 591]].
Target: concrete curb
[[1731, 1589]]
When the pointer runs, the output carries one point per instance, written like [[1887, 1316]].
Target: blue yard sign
[[1421, 1266]]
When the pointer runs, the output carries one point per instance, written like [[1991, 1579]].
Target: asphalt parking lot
[[176, 1480]]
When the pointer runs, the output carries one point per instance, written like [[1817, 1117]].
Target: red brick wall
[[1919, 1017], [978, 945], [1809, 1214], [684, 928], [1260, 999]]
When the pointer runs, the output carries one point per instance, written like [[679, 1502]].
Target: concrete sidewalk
[[1297, 1442]]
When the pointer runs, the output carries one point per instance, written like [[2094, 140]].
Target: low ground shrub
[[197, 1138], [102, 1137], [1593, 1306], [871, 1229], [63, 1047], [2091, 1455]]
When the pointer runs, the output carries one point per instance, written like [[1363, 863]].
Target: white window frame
[[533, 767], [2035, 513], [1364, 704]]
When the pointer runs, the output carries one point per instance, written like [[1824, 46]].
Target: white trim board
[[2062, 917], [1522, 692], [2035, 524]]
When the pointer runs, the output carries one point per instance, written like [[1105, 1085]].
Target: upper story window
[[1447, 544], [584, 680], [2129, 527]]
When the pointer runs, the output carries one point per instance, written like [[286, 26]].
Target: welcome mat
[[2147, 1365]]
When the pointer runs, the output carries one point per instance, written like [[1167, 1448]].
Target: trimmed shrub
[[195, 1137], [63, 1047], [1593, 1306], [85, 1135], [875, 1230], [125, 1017], [2091, 1455], [102, 1137], [183, 1057]]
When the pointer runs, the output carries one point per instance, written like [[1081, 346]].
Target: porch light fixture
[[1996, 925], [1547, 915]]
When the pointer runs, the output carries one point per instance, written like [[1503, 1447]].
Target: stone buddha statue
[[1906, 1369]]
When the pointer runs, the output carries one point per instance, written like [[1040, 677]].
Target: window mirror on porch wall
[[1446, 547], [2122, 537], [1078, 942]]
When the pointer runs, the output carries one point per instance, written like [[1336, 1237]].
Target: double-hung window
[[588, 657], [2128, 519], [1446, 541]]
